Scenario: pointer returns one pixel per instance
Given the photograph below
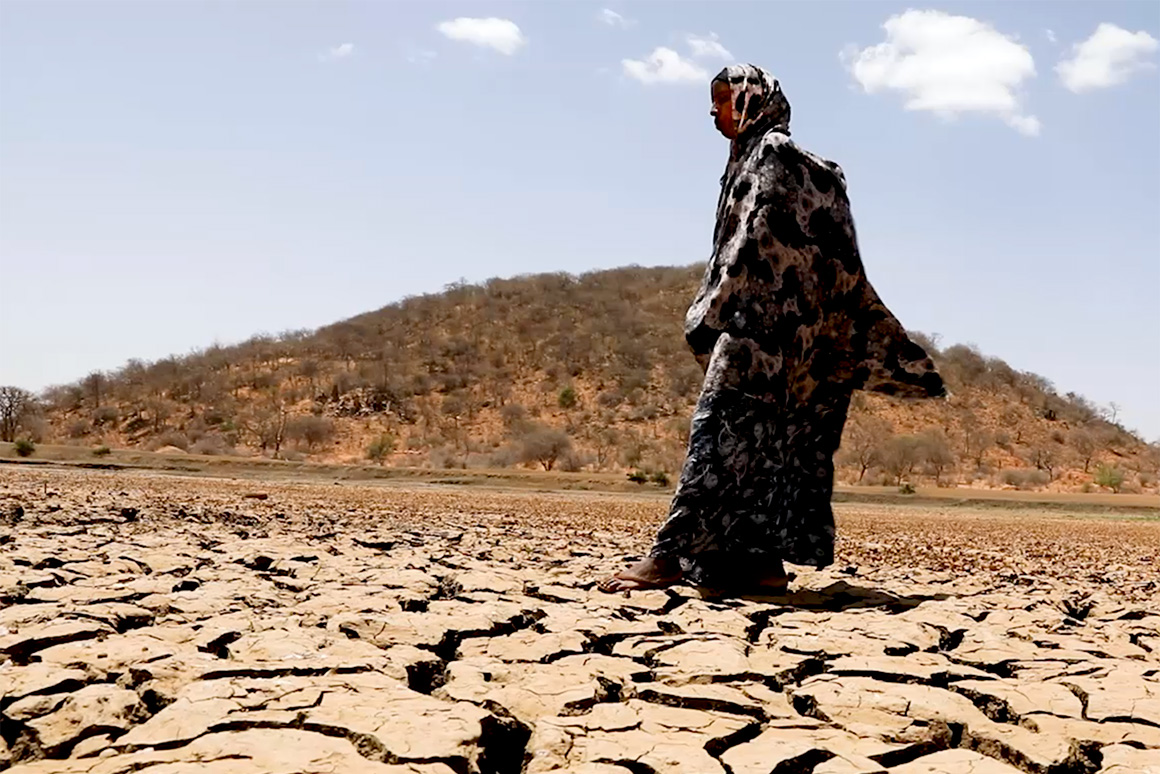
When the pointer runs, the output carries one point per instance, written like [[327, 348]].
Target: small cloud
[[1051, 36], [613, 19], [1108, 58], [420, 56], [503, 35], [664, 65], [341, 51], [709, 47], [948, 65], [1028, 125]]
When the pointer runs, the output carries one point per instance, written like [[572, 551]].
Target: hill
[[564, 372]]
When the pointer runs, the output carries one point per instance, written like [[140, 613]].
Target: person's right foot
[[648, 573]]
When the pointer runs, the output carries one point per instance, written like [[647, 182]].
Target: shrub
[[381, 448], [514, 416], [567, 398], [1109, 477], [1021, 478], [610, 398], [210, 443], [906, 488], [77, 429], [315, 431], [660, 478], [106, 415], [443, 457], [572, 462], [102, 451], [24, 447], [173, 438], [638, 477]]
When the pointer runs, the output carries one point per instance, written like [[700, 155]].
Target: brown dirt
[[166, 624]]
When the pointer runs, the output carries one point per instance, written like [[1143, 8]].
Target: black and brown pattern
[[787, 326]]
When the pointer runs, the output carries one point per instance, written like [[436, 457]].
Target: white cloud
[[503, 35], [948, 65], [1109, 57], [708, 47], [613, 19], [1051, 36], [341, 51], [664, 65]]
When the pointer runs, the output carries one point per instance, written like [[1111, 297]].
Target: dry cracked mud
[[165, 625]]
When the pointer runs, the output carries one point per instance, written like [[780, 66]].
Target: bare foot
[[773, 582], [648, 573]]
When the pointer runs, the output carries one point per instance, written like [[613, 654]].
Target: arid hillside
[[566, 372]]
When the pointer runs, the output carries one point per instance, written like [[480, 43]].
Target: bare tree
[[900, 456], [862, 443], [1013, 420], [309, 370], [1045, 457], [1085, 445], [605, 441], [94, 384], [267, 426], [454, 406], [15, 405], [936, 454], [311, 429], [977, 440], [160, 409], [544, 445]]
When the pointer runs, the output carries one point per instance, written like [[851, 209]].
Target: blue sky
[[175, 174]]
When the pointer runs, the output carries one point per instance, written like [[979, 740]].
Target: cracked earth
[[173, 625]]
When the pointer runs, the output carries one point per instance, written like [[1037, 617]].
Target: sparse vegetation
[[1022, 478], [102, 451], [586, 372], [659, 477], [24, 447]]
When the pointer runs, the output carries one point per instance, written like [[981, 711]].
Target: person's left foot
[[773, 581], [648, 573], [772, 584]]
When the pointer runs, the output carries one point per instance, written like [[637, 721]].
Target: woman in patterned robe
[[786, 326]]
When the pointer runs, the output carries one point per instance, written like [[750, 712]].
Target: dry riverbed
[[171, 625]]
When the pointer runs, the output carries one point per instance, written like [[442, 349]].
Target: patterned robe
[[786, 326]]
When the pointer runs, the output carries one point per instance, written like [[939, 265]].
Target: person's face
[[722, 110]]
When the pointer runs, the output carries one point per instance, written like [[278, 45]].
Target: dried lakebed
[[169, 626]]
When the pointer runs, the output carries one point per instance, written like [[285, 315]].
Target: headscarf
[[758, 103], [786, 273]]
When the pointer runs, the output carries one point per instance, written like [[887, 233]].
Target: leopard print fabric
[[786, 326]]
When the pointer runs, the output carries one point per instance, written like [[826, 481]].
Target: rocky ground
[[173, 625]]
